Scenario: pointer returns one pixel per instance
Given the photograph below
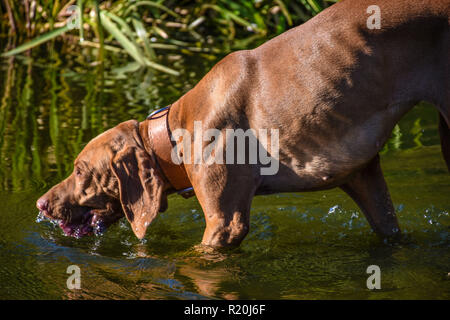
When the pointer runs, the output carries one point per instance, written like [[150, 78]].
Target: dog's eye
[[78, 172]]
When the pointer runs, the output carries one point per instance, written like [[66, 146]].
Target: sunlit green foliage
[[137, 28]]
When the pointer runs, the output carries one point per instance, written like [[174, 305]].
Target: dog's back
[[339, 71]]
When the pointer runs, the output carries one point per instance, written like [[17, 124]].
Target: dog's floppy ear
[[140, 187]]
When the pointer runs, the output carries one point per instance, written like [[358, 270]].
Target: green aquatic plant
[[139, 28]]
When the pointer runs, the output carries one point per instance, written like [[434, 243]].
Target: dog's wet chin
[[90, 223]]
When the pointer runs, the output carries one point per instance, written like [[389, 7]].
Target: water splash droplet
[[333, 209], [41, 217]]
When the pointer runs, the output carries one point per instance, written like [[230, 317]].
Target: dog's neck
[[155, 134]]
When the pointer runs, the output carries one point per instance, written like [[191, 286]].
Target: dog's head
[[113, 176]]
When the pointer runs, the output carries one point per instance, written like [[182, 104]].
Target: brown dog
[[333, 88]]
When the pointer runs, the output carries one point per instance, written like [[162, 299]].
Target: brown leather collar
[[162, 145]]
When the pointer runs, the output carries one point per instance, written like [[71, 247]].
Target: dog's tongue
[[74, 230], [89, 224], [78, 230]]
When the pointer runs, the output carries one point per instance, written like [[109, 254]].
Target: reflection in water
[[50, 111], [300, 246], [208, 281]]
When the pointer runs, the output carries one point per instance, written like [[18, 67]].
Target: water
[[301, 246]]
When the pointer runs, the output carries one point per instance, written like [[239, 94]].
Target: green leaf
[[132, 49], [37, 41], [230, 15], [315, 6], [151, 4], [80, 16], [128, 45], [142, 34], [284, 11]]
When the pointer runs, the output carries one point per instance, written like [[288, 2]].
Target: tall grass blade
[[285, 11], [160, 67], [128, 45], [132, 49], [80, 16], [151, 4], [37, 41], [315, 6], [99, 28], [230, 15], [142, 34]]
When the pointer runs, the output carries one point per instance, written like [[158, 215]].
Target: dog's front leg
[[225, 195]]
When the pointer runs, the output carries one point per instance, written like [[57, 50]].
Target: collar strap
[[162, 145]]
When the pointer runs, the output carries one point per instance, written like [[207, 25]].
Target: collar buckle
[[187, 193], [150, 116]]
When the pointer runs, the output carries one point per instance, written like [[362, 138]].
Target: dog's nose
[[42, 204]]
